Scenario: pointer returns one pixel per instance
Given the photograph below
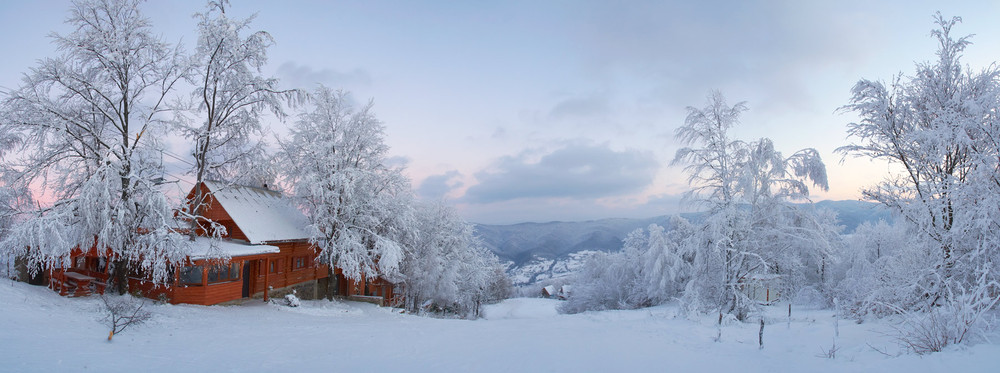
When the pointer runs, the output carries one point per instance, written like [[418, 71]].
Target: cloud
[[437, 186], [499, 133], [299, 76], [397, 161], [684, 48], [575, 171], [581, 107]]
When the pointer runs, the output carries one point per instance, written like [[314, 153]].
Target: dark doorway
[[39, 277], [246, 279]]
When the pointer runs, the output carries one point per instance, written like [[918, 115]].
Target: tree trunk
[[333, 285], [119, 276]]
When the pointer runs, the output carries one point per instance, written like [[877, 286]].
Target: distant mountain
[[520, 242], [537, 251], [851, 214]]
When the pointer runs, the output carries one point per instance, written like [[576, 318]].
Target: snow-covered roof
[[201, 245], [263, 215]]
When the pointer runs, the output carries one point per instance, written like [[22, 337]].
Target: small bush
[[122, 312], [831, 352], [954, 322]]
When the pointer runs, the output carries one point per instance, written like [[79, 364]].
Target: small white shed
[[763, 288]]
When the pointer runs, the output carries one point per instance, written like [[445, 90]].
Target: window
[[224, 273], [300, 262], [234, 271], [276, 266], [191, 275]]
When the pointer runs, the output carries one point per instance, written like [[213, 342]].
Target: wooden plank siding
[[212, 209], [285, 274], [379, 288], [151, 290], [208, 294]]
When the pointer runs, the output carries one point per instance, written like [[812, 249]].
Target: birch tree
[[746, 186], [939, 129], [87, 123], [230, 97]]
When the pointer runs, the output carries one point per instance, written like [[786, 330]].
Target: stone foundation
[[304, 290]]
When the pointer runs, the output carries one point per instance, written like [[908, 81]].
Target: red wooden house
[[269, 255]]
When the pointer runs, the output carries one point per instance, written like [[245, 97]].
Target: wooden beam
[[267, 271]]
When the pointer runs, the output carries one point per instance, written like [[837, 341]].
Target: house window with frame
[[300, 262], [191, 275], [276, 266], [224, 273]]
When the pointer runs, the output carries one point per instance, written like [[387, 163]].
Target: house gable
[[255, 215]]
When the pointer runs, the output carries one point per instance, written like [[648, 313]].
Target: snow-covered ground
[[40, 331]]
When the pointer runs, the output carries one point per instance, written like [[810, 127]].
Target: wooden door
[[248, 278]]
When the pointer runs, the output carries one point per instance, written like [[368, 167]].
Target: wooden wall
[[209, 294], [214, 211], [379, 288], [284, 275]]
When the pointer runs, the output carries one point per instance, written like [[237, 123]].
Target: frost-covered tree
[[360, 209], [879, 268], [750, 228], [223, 119], [816, 236], [653, 267], [432, 264], [939, 128], [667, 257], [608, 281], [87, 124], [447, 268], [12, 201], [482, 280]]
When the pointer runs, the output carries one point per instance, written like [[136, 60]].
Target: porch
[[77, 283]]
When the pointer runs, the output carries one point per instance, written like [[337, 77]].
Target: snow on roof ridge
[[224, 185]]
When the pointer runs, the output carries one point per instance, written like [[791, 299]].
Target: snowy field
[[40, 331]]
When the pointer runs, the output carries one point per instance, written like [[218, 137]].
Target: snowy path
[[38, 327]]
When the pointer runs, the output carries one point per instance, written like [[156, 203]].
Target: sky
[[520, 111]]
